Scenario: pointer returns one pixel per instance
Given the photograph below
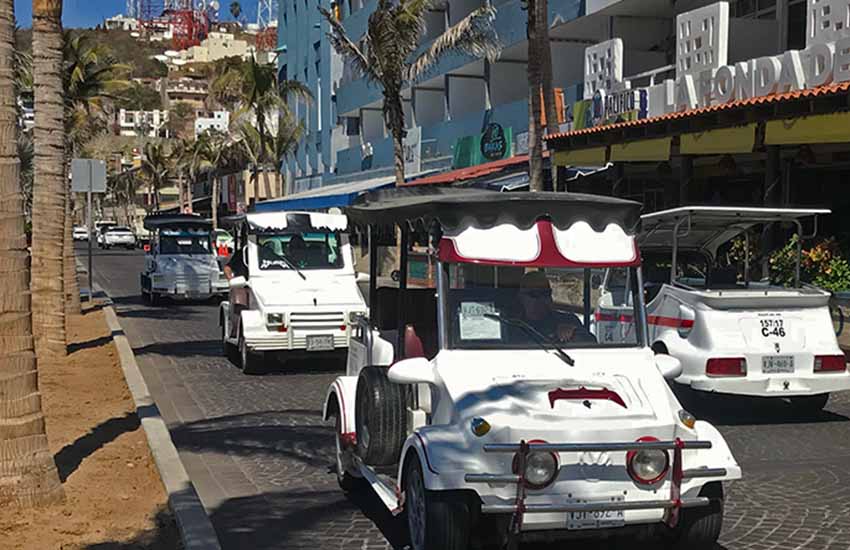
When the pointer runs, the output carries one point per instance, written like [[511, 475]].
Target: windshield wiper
[[288, 262], [537, 336]]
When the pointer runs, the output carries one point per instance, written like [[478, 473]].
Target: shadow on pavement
[[306, 519], [732, 410], [94, 343], [69, 458], [195, 348], [164, 536]]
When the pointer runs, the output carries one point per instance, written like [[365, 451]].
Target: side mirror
[[669, 366], [416, 370], [238, 282], [395, 275]]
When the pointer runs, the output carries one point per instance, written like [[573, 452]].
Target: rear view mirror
[[238, 282], [669, 366], [416, 370]]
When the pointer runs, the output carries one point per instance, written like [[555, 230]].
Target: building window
[[755, 9]]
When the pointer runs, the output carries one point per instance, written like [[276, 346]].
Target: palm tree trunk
[[544, 50], [69, 266], [48, 298], [214, 202], [535, 144], [267, 188], [394, 115], [189, 199], [28, 474], [181, 191]]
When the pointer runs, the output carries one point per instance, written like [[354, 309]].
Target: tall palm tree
[[544, 48], [284, 145], [386, 55], [235, 10], [155, 168], [28, 475], [50, 185], [535, 79]]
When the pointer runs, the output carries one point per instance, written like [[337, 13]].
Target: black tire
[[347, 482], [810, 404], [228, 349], [379, 410], [250, 361], [436, 520], [154, 299], [699, 528]]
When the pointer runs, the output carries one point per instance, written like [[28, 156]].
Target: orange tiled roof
[[830, 89], [472, 172]]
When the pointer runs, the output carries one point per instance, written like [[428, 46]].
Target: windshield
[[184, 242], [119, 230], [514, 308], [306, 251]]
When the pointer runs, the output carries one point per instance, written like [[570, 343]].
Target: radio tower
[[130, 9], [266, 13]]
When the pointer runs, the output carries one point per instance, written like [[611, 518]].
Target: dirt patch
[[114, 498]]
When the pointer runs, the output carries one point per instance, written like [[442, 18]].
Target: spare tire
[[379, 413]]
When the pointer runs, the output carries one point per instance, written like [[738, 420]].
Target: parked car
[[117, 236], [732, 335], [487, 408], [80, 233], [297, 294], [180, 262]]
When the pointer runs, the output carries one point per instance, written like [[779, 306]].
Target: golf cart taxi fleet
[[299, 291], [180, 261], [732, 335], [460, 409]]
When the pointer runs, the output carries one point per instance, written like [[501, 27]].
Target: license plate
[[320, 343], [777, 364], [597, 519]]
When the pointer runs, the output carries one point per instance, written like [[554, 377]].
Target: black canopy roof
[[455, 208], [160, 221]]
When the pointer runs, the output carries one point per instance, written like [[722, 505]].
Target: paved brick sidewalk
[[260, 455]]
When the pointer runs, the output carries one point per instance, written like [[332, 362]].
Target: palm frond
[[473, 35], [348, 49], [294, 88]]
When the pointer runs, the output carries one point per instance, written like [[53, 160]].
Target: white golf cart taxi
[[297, 294], [180, 262], [732, 335], [460, 409]]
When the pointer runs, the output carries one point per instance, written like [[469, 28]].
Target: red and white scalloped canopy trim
[[542, 246]]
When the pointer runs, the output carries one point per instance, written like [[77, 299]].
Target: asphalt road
[[261, 457]]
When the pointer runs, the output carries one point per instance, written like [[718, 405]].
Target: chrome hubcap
[[415, 503]]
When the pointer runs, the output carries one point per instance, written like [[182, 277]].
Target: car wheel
[[435, 520], [699, 528], [249, 360], [154, 299], [380, 417], [145, 297], [348, 480], [810, 404]]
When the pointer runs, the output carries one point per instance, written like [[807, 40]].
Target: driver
[[296, 251], [538, 310]]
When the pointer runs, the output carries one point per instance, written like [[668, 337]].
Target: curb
[[196, 530]]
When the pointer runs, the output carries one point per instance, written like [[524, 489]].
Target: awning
[[834, 128], [595, 156], [740, 139], [645, 150], [517, 181], [322, 198]]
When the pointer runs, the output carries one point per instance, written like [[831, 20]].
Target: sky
[[88, 13]]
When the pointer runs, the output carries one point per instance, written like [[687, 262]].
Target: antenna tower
[[266, 13]]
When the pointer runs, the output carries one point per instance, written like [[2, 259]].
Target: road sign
[[88, 175]]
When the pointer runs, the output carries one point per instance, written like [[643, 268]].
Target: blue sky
[[88, 13]]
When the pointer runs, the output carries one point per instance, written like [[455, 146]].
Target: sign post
[[88, 176]]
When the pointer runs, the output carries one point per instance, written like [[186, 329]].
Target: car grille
[[198, 283], [317, 321]]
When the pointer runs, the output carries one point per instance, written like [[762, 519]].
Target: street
[[261, 457]]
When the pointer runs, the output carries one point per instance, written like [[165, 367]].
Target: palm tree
[[28, 475], [50, 185], [285, 145], [155, 168], [535, 128], [386, 55], [235, 10]]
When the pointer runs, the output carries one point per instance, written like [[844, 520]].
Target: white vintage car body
[[614, 401], [180, 262], [781, 335], [312, 311]]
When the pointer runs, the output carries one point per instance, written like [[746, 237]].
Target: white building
[[218, 121], [122, 22], [142, 123]]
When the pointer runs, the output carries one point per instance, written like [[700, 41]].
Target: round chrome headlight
[[541, 468], [647, 466]]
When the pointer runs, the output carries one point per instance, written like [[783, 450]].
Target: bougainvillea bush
[[822, 265]]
